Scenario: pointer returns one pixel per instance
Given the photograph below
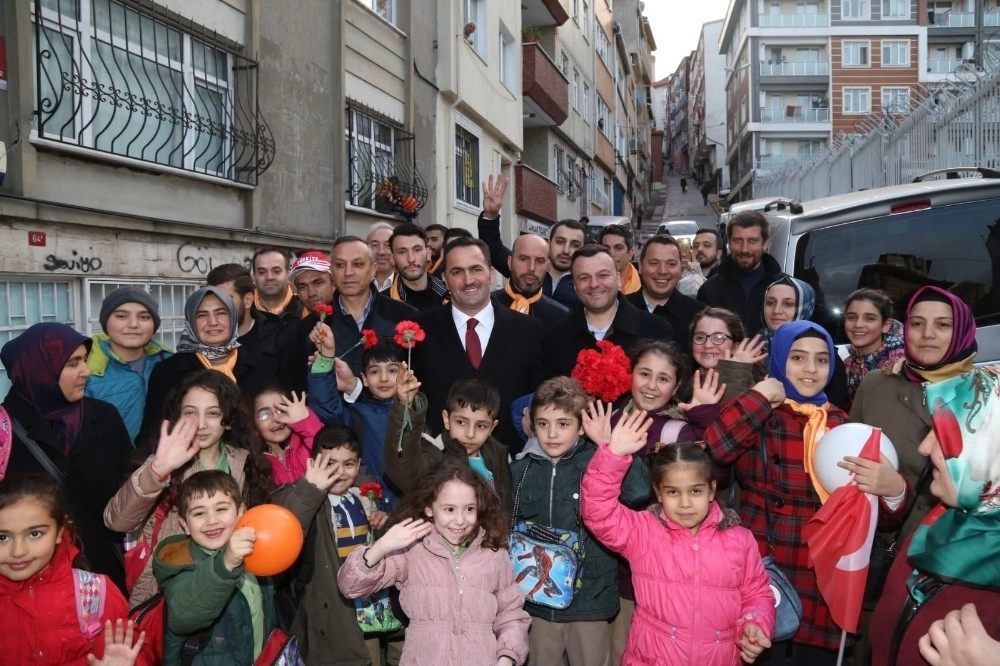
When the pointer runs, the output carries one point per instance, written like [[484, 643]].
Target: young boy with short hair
[[215, 608], [336, 519], [547, 477], [470, 415], [369, 414]]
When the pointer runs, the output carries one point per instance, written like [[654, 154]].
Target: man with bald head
[[528, 263]]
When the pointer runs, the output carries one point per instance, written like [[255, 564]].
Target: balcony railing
[[943, 65], [132, 82], [992, 18], [544, 88], [793, 20], [794, 114], [953, 19], [793, 68], [534, 195]]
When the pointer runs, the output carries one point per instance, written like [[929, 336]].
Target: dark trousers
[[797, 654]]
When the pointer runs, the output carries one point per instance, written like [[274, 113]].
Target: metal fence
[[954, 123]]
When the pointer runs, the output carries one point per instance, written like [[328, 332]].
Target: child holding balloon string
[[205, 584], [786, 414], [207, 426], [448, 557]]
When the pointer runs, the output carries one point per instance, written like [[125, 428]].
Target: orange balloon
[[279, 539]]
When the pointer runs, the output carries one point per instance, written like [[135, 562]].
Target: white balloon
[[845, 440]]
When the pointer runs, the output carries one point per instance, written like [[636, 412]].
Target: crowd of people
[[465, 496]]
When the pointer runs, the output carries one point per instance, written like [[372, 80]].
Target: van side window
[[954, 247]]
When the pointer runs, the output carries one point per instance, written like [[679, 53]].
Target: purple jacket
[[464, 611]]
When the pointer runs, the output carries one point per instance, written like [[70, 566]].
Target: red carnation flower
[[372, 491], [605, 372], [324, 311], [408, 334], [371, 339]]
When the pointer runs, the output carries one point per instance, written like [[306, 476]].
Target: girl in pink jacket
[[702, 594], [448, 557], [287, 428]]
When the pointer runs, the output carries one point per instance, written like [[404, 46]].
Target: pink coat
[[694, 593], [298, 451], [464, 611]]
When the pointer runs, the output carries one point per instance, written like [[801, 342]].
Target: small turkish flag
[[839, 538]]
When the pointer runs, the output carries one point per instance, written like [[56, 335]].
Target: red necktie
[[472, 345]]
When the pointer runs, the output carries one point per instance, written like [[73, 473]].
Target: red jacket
[[885, 620], [40, 622]]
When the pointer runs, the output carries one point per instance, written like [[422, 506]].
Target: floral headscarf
[[189, 340]]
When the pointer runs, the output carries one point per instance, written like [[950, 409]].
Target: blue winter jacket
[[113, 380]]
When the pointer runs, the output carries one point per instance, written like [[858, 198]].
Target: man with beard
[[435, 240], [378, 241], [707, 249], [565, 238], [660, 270], [742, 278], [471, 337], [412, 284], [528, 264], [602, 314]]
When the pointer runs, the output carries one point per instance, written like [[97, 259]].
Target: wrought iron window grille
[[127, 78], [382, 168]]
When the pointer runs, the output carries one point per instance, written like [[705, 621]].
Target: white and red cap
[[312, 260]]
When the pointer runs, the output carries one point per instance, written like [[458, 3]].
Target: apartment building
[[678, 135], [707, 110], [802, 72]]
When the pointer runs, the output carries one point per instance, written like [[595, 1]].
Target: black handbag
[[885, 547]]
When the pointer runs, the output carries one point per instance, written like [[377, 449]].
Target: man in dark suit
[[660, 270], [471, 337], [603, 314], [528, 263]]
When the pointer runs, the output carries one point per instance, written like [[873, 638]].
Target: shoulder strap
[[768, 525], [89, 589], [36, 451], [6, 440], [158, 517], [672, 431]]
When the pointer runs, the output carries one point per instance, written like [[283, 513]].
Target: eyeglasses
[[716, 338], [266, 414]]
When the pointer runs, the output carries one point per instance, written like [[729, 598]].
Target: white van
[[598, 222], [750, 204]]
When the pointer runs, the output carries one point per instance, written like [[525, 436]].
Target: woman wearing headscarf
[[951, 559], [208, 341], [940, 339], [778, 423], [81, 441], [789, 299]]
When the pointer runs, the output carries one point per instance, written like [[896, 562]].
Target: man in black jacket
[[473, 337], [743, 276], [528, 263], [603, 314], [660, 270]]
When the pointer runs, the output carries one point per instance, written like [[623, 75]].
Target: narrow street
[[670, 203]]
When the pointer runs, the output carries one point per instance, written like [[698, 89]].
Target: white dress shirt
[[486, 317]]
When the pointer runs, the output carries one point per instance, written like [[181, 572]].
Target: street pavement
[[672, 204]]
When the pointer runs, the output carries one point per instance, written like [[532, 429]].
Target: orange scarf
[[632, 281], [520, 303], [814, 429], [228, 368], [285, 300], [437, 264], [394, 288]]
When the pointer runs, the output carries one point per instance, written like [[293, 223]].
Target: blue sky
[[677, 26]]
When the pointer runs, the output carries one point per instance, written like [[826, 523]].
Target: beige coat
[[131, 510]]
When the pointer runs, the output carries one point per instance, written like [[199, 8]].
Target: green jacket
[[420, 454], [549, 494], [323, 619], [201, 593]]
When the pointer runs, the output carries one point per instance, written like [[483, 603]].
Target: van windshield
[[954, 247]]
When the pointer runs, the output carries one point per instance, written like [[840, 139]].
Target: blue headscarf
[[781, 344]]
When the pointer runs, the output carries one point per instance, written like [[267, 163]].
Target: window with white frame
[[508, 59], [371, 144], [576, 10], [564, 64], [466, 166], [855, 9], [895, 9], [806, 8], [559, 164], [384, 8], [602, 45], [857, 100], [576, 89], [895, 53], [585, 21], [895, 99], [120, 81], [586, 103], [856, 53], [474, 15], [604, 118], [28, 301]]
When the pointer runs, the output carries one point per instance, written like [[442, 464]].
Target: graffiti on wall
[[75, 262], [194, 258]]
